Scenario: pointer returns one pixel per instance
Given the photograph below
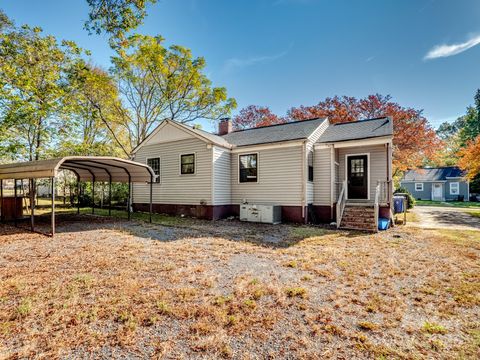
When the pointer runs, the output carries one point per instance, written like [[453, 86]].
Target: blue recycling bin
[[398, 203]]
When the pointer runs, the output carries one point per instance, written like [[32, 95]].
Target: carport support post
[[1, 201], [110, 196], [53, 206], [151, 195], [32, 204], [93, 195], [129, 202], [78, 195], [15, 201]]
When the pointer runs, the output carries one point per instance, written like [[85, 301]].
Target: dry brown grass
[[106, 289]]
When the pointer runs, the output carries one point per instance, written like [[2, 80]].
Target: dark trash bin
[[398, 204]]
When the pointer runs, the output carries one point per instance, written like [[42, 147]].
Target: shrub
[[410, 198]]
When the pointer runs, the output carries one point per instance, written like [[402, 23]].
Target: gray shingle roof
[[362, 129], [433, 174], [274, 133]]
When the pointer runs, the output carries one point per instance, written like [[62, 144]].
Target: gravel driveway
[[435, 217]]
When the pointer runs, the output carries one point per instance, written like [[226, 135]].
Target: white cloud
[[236, 63], [445, 50]]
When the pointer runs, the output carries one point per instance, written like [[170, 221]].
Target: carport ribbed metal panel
[[87, 168]]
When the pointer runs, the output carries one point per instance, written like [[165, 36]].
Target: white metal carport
[[86, 168]]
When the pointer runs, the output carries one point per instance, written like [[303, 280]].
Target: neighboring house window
[[187, 163], [310, 166], [154, 163], [248, 168], [418, 186], [454, 188]]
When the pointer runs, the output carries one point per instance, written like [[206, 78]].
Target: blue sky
[[284, 53]]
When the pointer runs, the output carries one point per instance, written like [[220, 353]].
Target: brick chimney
[[225, 126]]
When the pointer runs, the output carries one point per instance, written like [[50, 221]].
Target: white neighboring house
[[314, 170]]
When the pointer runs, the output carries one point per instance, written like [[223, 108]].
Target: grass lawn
[[475, 213], [107, 288], [460, 204]]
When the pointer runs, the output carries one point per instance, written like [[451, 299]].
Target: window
[[310, 166], [248, 168], [454, 188], [187, 163], [418, 186], [154, 163]]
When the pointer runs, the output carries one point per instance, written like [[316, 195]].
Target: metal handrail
[[385, 191], [376, 204], [341, 203]]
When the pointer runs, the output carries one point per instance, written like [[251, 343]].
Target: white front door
[[437, 192]]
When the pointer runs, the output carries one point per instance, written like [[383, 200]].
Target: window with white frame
[[418, 186], [154, 163], [454, 188], [187, 164], [248, 170]]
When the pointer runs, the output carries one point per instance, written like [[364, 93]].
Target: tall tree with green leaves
[[93, 105], [116, 17], [32, 89], [471, 121], [157, 83]]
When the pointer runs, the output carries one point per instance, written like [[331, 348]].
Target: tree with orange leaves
[[255, 116], [469, 158], [414, 139]]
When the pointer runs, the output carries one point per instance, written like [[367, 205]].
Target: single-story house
[[438, 184], [314, 170]]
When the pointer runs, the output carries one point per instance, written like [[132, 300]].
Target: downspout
[[332, 179], [212, 178], [304, 182]]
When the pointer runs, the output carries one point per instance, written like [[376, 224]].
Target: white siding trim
[[362, 142], [332, 175], [212, 174], [254, 148], [368, 174]]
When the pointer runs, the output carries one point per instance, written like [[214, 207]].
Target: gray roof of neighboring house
[[274, 133], [433, 174], [362, 129]]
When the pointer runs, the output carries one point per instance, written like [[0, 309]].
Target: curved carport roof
[[87, 168]]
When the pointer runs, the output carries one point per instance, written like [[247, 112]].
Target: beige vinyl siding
[[378, 163], [322, 176], [279, 177], [173, 187], [221, 176], [309, 147]]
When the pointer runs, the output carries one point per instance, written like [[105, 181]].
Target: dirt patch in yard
[[104, 289], [437, 217]]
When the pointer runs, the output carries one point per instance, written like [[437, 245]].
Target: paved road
[[435, 217]]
